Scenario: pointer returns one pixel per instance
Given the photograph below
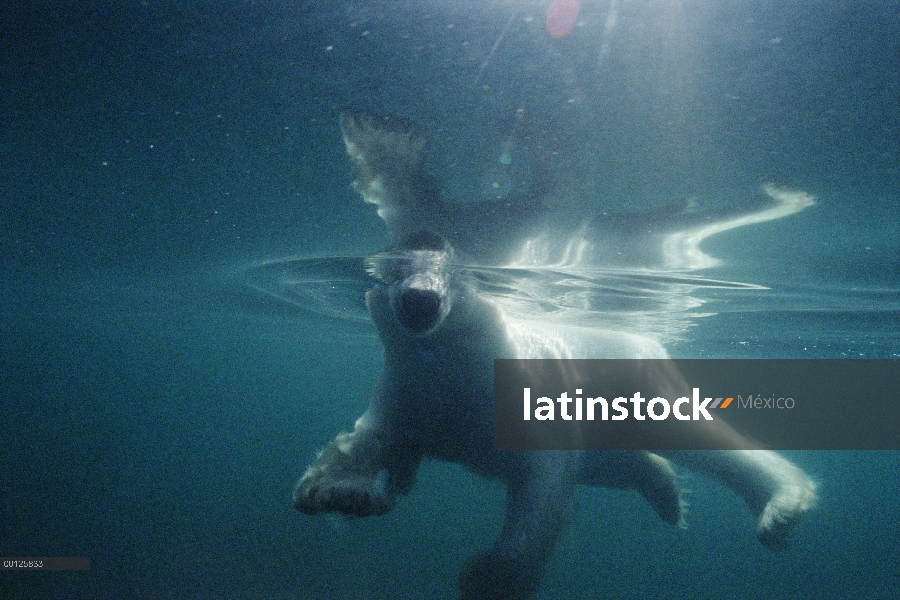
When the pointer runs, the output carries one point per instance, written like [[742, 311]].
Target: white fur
[[435, 395]]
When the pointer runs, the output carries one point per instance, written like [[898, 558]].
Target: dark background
[[156, 413]]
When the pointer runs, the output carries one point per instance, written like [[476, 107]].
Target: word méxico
[[760, 402], [657, 408]]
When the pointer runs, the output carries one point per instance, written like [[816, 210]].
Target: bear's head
[[416, 278]]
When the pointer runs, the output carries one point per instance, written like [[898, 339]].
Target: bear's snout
[[418, 310]]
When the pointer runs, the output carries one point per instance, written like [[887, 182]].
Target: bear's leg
[[539, 503], [358, 473], [776, 490], [644, 472]]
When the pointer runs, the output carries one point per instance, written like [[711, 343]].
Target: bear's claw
[[357, 495]]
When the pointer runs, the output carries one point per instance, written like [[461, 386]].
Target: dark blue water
[[157, 411]]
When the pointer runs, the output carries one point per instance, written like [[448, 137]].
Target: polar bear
[[441, 334]]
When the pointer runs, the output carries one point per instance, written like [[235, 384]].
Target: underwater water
[[160, 395]]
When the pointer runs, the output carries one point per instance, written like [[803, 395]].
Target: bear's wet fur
[[435, 396]]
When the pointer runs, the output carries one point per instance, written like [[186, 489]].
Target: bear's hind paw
[[783, 511]]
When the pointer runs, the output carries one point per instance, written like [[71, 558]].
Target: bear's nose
[[418, 310]]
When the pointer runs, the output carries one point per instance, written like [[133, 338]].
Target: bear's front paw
[[492, 577], [363, 495]]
